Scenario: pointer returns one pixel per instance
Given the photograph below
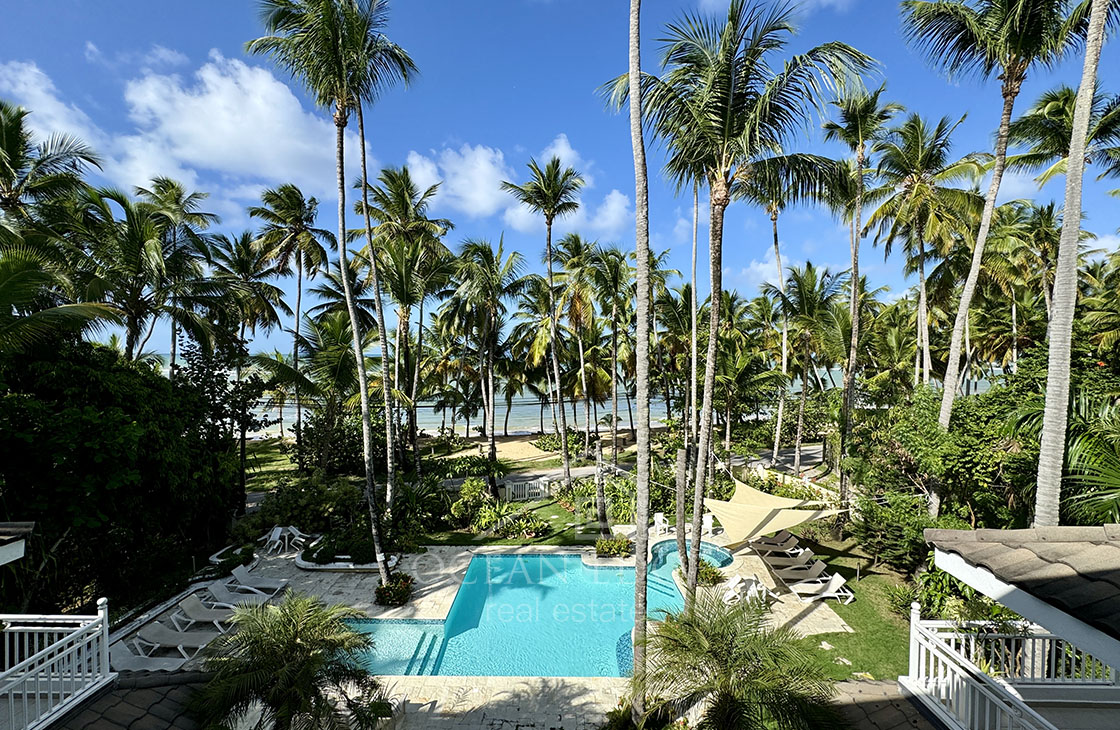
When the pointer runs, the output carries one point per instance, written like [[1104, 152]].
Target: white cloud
[[521, 218], [1014, 185], [1109, 242], [161, 56], [612, 214], [93, 53], [424, 171], [472, 178], [28, 86], [569, 157]]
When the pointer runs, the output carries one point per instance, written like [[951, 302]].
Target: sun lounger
[[158, 636], [273, 540], [776, 539], [191, 611], [787, 546], [802, 573], [780, 561], [226, 598], [123, 659], [752, 589], [256, 584], [814, 590]]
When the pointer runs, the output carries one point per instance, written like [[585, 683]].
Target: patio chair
[[256, 584], [226, 598], [787, 546], [191, 611], [752, 589], [818, 589], [273, 540], [802, 573], [122, 659], [295, 539], [660, 524], [158, 636], [708, 524], [777, 538], [781, 561]]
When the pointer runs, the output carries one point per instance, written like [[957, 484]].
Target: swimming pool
[[531, 615]]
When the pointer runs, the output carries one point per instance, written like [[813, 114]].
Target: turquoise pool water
[[532, 615]]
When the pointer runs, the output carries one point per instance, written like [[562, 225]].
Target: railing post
[[915, 621], [103, 611]]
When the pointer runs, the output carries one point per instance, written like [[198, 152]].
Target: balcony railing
[[51, 663], [962, 695]]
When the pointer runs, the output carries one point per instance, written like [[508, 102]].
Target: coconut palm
[[737, 667], [986, 38], [1051, 455], [862, 120], [613, 280], [299, 661], [919, 200], [577, 257], [332, 46], [723, 107], [809, 292], [289, 235], [553, 192], [31, 172], [1046, 130]]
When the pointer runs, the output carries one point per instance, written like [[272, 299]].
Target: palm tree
[[735, 664], [863, 119], [33, 173], [552, 192], [723, 108], [577, 257], [1003, 38], [918, 200], [644, 312], [327, 44], [1046, 129], [299, 661], [487, 278], [809, 292], [612, 278], [1051, 455], [289, 235]]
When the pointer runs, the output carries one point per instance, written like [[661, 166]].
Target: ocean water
[[531, 615]]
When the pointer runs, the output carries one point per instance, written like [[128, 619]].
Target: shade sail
[[746, 522], [748, 495]]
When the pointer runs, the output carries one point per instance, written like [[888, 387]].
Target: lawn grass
[[548, 510], [880, 644], [266, 462]]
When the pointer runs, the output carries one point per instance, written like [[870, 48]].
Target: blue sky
[[165, 88]]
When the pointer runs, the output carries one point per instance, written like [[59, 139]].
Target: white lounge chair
[[295, 539], [776, 539], [751, 589], [273, 540], [256, 584], [157, 636], [191, 611], [226, 598], [780, 561], [786, 546], [123, 659], [815, 590], [660, 524], [800, 574]]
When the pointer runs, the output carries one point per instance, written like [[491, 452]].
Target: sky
[[167, 89]]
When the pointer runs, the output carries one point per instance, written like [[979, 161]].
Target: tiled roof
[[12, 531], [140, 701], [1074, 569], [879, 706]]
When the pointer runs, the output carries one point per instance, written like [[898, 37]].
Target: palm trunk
[[801, 411], [490, 434], [174, 349], [241, 436], [719, 197], [414, 389], [552, 396], [691, 443], [614, 383], [1014, 334], [923, 309], [586, 399], [295, 359], [382, 333], [785, 343], [727, 424], [1052, 448], [555, 358], [1011, 86], [601, 494], [681, 485], [359, 355], [853, 347], [641, 226], [630, 413]]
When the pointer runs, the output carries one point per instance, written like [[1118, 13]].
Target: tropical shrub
[[524, 525], [334, 443], [315, 503], [552, 441], [491, 513], [353, 543], [579, 497], [396, 592], [421, 507], [473, 495], [471, 465], [614, 547], [893, 530], [706, 574]]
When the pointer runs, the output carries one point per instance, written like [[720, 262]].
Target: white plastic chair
[[191, 611], [660, 524], [158, 636], [123, 659], [819, 589], [256, 584], [708, 524]]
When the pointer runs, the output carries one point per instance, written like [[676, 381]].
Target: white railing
[[1032, 657], [957, 691], [50, 664], [524, 491]]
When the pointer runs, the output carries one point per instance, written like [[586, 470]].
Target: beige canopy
[[742, 522], [748, 495]]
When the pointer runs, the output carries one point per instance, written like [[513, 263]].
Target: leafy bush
[[524, 525], [472, 496], [419, 508], [334, 444], [471, 465], [893, 531], [614, 547], [621, 718], [552, 442], [707, 574], [491, 513], [351, 544], [899, 598], [396, 592], [314, 503], [580, 496], [448, 441]]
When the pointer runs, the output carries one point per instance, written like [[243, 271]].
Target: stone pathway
[[879, 706]]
